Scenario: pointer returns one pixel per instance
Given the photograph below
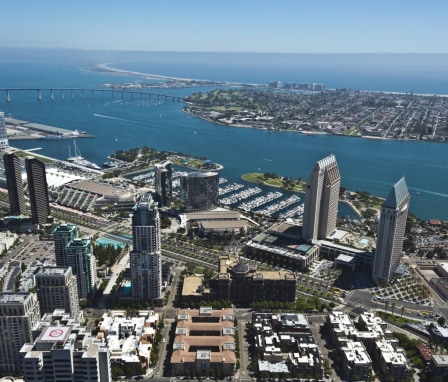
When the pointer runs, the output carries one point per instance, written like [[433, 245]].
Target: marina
[[239, 196], [243, 197]]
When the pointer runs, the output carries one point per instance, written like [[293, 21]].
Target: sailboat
[[79, 159]]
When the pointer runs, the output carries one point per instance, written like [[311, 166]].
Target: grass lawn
[[256, 177], [199, 270]]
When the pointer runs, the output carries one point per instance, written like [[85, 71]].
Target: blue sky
[[287, 26]]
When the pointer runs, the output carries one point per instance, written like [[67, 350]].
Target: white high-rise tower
[[145, 257], [321, 200], [391, 230], [3, 135]]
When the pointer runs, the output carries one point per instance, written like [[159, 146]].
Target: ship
[[79, 159]]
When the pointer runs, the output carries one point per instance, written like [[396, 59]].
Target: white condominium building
[[57, 288], [19, 312], [64, 351]]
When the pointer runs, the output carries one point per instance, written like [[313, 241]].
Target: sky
[[272, 26]]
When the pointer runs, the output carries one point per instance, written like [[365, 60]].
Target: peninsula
[[341, 112], [349, 112]]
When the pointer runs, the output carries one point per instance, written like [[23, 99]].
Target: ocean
[[365, 164]]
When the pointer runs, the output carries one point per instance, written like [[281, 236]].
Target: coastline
[[106, 68], [150, 76]]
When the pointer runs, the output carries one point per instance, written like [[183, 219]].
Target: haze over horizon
[[284, 26]]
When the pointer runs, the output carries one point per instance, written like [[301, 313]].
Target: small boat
[[110, 165]]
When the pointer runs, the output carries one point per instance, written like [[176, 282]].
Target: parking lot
[[32, 249]]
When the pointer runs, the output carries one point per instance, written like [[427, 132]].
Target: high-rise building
[[63, 350], [164, 182], [145, 257], [57, 288], [321, 200], [80, 257], [62, 235], [38, 190], [199, 190], [19, 312], [391, 230], [14, 182], [3, 133]]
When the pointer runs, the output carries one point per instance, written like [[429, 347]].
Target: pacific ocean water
[[123, 123]]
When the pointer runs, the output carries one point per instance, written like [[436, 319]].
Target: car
[[163, 340]]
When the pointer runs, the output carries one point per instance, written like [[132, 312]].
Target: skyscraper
[[57, 288], [19, 312], [199, 190], [38, 190], [3, 133], [145, 257], [164, 182], [64, 350], [80, 257], [391, 230], [13, 173], [62, 235], [321, 200]]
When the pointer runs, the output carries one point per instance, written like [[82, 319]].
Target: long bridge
[[82, 92]]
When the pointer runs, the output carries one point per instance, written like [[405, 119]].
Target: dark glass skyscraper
[[79, 256], [199, 191], [38, 190], [13, 173], [62, 236], [164, 182]]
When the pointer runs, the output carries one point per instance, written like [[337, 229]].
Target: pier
[[54, 93]]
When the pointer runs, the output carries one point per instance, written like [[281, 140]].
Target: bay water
[[121, 123]]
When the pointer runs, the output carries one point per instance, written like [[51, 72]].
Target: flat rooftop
[[100, 188]]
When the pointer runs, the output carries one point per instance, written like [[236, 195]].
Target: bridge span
[[83, 92]]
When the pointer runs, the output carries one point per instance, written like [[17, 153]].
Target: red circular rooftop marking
[[56, 333]]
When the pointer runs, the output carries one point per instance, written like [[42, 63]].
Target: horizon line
[[205, 51]]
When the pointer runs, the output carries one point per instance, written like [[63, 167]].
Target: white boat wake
[[110, 117]]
